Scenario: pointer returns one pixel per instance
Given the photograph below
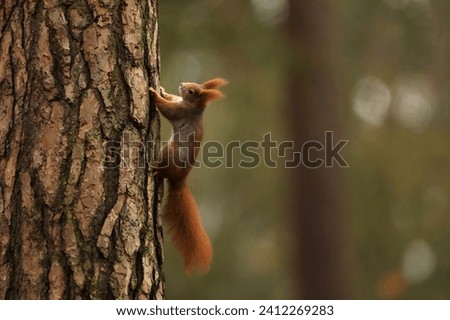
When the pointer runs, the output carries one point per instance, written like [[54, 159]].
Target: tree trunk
[[313, 106], [79, 208]]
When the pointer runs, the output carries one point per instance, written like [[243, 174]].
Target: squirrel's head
[[201, 94]]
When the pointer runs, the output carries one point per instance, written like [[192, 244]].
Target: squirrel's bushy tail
[[185, 227]]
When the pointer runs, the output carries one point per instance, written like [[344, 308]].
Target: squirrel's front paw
[[152, 91], [164, 94]]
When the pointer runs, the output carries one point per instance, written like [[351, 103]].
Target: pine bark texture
[[79, 208]]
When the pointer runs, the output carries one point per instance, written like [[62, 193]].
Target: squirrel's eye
[[191, 91]]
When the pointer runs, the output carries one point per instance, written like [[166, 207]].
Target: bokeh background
[[376, 73]]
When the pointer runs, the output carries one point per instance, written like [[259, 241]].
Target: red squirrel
[[176, 160]]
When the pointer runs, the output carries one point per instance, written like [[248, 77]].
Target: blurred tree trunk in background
[[75, 221], [316, 193]]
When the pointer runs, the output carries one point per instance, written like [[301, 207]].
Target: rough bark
[[316, 193], [79, 208]]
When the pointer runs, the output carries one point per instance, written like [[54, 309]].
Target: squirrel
[[176, 160]]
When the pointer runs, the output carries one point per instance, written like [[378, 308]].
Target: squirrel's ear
[[211, 94], [214, 83]]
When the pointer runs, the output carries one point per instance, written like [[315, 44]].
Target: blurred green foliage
[[394, 81]]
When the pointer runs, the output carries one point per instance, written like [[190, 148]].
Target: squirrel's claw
[[154, 165], [156, 173], [164, 94]]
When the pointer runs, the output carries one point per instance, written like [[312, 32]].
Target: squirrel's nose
[[181, 84]]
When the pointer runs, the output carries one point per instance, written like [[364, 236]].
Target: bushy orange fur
[[211, 94], [185, 227], [214, 83]]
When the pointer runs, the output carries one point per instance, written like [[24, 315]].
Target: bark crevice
[[76, 220]]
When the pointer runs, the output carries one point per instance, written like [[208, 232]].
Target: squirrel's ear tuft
[[211, 94], [214, 83]]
